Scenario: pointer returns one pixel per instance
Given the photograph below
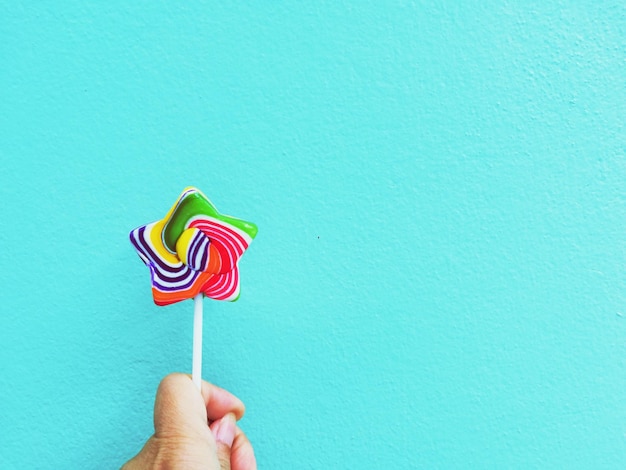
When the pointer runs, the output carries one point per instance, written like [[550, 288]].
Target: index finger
[[220, 402]]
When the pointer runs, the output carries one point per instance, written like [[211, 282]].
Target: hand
[[193, 431]]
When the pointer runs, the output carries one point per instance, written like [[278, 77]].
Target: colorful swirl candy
[[193, 250]]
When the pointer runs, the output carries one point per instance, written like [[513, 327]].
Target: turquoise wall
[[438, 279]]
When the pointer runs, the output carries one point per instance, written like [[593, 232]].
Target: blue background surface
[[438, 280]]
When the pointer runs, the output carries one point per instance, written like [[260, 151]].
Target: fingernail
[[225, 430]]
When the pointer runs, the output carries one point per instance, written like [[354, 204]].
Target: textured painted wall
[[438, 280]]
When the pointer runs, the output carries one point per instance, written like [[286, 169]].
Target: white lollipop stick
[[196, 364]]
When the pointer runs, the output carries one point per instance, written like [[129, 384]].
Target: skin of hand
[[195, 431]]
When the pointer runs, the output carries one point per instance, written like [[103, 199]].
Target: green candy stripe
[[191, 204]]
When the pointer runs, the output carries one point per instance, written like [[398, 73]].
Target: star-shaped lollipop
[[193, 250]]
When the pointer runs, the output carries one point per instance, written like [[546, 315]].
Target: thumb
[[179, 409], [224, 432]]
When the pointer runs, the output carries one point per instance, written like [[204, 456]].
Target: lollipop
[[193, 252]]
